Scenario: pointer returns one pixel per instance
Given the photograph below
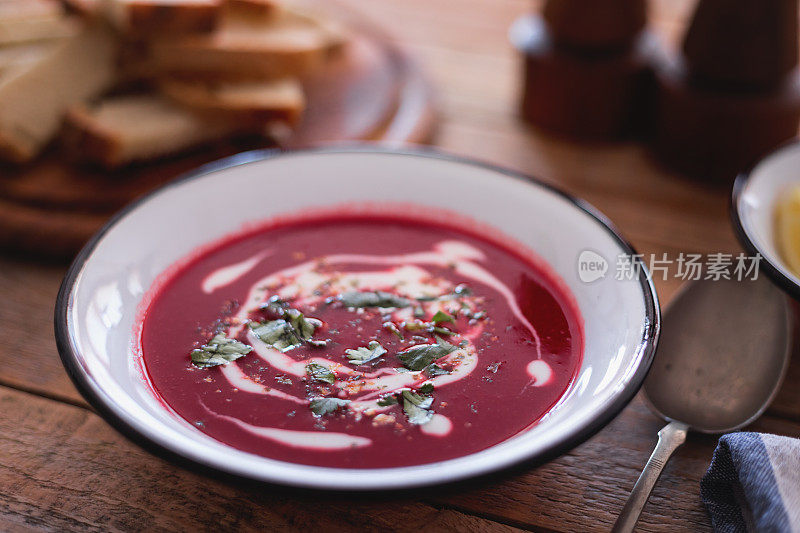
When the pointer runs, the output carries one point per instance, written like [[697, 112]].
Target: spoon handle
[[669, 438]]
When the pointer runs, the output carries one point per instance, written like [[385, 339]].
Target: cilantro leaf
[[434, 370], [277, 333], [219, 351], [275, 305], [417, 407], [419, 356], [324, 406], [303, 327], [289, 331], [441, 316], [460, 291], [391, 326], [320, 373], [373, 299], [362, 356], [389, 399], [427, 388]]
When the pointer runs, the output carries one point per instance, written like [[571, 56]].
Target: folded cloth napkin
[[753, 484]]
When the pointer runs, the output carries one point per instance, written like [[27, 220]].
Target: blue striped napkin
[[753, 484]]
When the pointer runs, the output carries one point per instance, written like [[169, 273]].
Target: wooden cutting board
[[370, 91]]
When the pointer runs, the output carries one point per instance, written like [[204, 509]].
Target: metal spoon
[[724, 349]]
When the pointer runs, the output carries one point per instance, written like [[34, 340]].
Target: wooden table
[[62, 467]]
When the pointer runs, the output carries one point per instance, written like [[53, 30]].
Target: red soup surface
[[361, 342]]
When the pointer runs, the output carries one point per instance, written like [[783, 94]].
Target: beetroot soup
[[361, 342]]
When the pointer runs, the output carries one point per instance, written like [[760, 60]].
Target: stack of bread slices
[[118, 81]]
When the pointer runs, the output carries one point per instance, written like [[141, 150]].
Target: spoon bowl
[[725, 347], [722, 356]]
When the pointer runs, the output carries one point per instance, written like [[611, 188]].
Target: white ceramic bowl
[[755, 194], [97, 305]]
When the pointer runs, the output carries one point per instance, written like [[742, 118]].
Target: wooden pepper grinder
[[587, 67], [734, 94]]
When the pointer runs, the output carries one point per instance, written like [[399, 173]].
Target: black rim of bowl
[[779, 278], [70, 359]]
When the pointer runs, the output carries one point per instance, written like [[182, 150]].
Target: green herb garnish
[[416, 404], [362, 356], [459, 291], [417, 407], [429, 327], [462, 290], [288, 332], [291, 330], [388, 400], [275, 305], [434, 370], [324, 406], [391, 326], [303, 327], [320, 373], [277, 333], [419, 356], [441, 316], [219, 351], [373, 299]]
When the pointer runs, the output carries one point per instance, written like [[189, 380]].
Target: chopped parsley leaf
[[441, 316], [322, 373], [219, 351], [277, 333], [434, 370], [417, 407], [420, 356], [363, 355], [387, 400], [324, 406], [373, 299]]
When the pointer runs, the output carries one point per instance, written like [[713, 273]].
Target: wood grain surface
[[63, 468]]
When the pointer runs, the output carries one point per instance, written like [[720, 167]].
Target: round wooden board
[[369, 91]]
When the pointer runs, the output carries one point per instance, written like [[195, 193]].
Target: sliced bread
[[288, 45], [257, 101], [13, 58], [252, 8], [162, 17], [123, 129], [34, 99], [24, 21], [85, 8]]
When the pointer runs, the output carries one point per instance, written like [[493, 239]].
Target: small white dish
[[97, 305], [755, 195]]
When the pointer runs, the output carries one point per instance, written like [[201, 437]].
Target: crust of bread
[[86, 139], [12, 151], [252, 8], [260, 102], [82, 7], [140, 128], [163, 17]]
